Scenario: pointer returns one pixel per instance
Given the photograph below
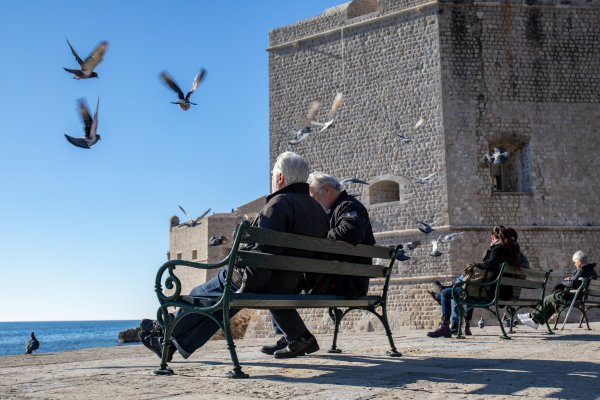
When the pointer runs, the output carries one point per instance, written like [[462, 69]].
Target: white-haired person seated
[[583, 269]]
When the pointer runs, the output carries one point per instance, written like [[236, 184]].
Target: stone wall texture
[[523, 75]]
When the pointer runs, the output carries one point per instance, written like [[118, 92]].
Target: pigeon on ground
[[481, 323], [434, 251], [32, 345], [184, 101], [305, 122], [425, 227], [348, 181], [426, 180], [450, 237], [499, 156], [216, 241], [417, 125], [337, 102], [87, 67], [90, 127]]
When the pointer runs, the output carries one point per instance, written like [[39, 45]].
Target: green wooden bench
[[586, 297], [522, 284], [338, 306]]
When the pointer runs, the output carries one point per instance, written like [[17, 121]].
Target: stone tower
[[520, 74]]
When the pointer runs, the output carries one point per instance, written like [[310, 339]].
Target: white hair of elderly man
[[293, 167]]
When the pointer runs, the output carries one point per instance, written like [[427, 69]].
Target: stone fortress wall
[[523, 75]]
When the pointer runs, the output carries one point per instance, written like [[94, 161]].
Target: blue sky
[[82, 232]]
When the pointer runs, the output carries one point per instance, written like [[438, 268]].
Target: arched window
[[384, 191], [514, 175]]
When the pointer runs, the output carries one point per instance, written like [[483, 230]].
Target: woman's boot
[[442, 331], [467, 328]]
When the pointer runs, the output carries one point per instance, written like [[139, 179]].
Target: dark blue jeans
[[194, 330], [447, 304]]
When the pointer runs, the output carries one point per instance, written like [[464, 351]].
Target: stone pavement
[[531, 365]]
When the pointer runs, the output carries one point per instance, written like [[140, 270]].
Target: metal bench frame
[[238, 258], [464, 303], [586, 297]]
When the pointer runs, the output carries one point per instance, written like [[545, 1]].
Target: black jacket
[[496, 255], [586, 271], [291, 210], [349, 222]]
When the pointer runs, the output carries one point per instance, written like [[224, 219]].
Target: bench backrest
[[526, 278], [593, 290], [319, 245]]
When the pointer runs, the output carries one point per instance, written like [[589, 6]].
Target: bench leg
[[336, 315], [504, 335], [168, 329], [236, 372], [393, 352], [584, 316]]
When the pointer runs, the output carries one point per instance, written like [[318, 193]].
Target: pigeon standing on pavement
[[481, 323], [337, 102], [86, 67], [32, 345], [184, 101], [305, 129], [90, 127]]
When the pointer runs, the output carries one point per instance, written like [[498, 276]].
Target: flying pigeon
[[90, 127], [401, 256], [427, 179], [412, 245], [87, 67], [481, 323], [216, 241], [434, 251], [425, 227], [348, 181], [187, 215], [184, 101], [337, 102], [499, 156], [417, 125], [305, 130], [450, 237], [32, 345], [204, 214]]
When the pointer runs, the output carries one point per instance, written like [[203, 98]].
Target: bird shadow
[[560, 376]]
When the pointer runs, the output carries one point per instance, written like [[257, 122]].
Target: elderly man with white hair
[[548, 307], [290, 209], [349, 222]]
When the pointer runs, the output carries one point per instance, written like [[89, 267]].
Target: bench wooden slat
[[288, 263], [522, 283], [533, 274], [518, 302], [290, 240], [282, 301]]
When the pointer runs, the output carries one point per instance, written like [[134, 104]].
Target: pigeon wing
[[86, 117], [170, 83], [199, 78], [79, 142], [204, 214], [186, 214], [337, 102], [310, 115], [79, 60], [94, 59], [92, 134]]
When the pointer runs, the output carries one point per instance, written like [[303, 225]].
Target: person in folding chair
[[583, 269]]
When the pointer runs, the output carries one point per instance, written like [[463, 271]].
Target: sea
[[56, 336]]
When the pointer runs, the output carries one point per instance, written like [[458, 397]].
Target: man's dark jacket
[[348, 222], [292, 210]]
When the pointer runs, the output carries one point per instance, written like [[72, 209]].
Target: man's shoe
[[155, 344], [526, 319], [152, 327], [297, 348], [280, 345]]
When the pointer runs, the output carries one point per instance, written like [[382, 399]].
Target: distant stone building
[[520, 74]]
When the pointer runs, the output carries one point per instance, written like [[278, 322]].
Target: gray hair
[[318, 180], [580, 255], [293, 167]]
